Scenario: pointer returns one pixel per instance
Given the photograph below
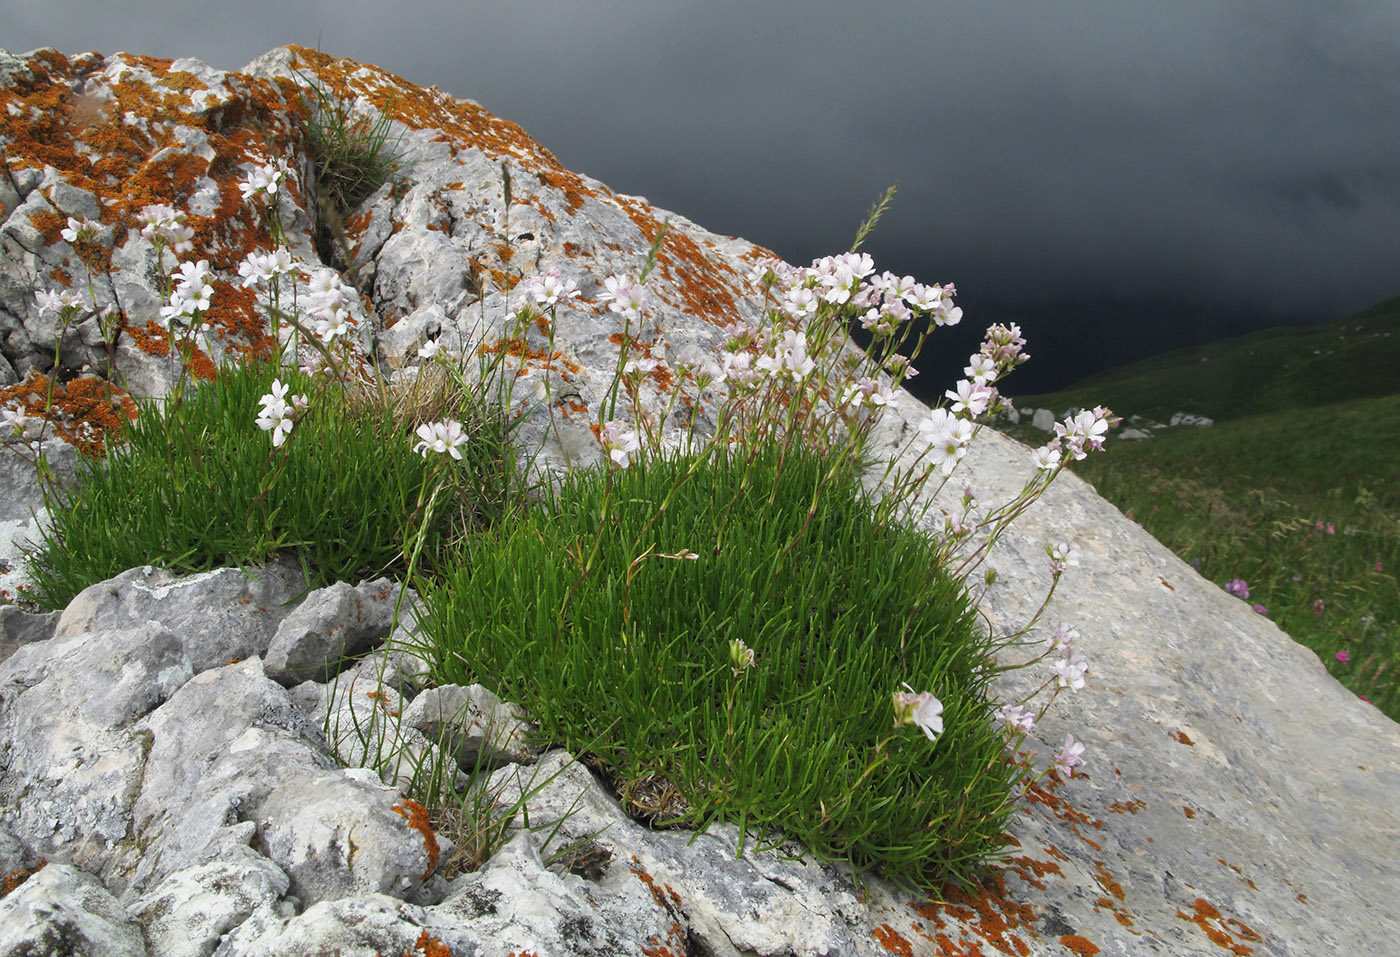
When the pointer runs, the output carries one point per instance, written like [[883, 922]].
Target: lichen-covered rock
[[190, 911]]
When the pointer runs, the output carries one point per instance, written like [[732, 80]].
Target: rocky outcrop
[[211, 764]]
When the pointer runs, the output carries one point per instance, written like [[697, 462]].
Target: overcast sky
[[1116, 175]]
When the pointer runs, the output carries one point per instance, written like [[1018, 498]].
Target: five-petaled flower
[[445, 436]]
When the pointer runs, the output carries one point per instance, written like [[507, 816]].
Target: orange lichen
[[889, 939], [1078, 945], [986, 910], [86, 412], [1214, 926], [1181, 738], [417, 817], [1188, 811], [14, 879], [429, 946], [1126, 807]]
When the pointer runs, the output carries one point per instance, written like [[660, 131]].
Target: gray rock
[[473, 725], [322, 636], [62, 910], [344, 833], [1043, 419], [190, 911], [19, 627], [220, 616]]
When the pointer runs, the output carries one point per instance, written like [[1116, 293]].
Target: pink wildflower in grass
[[1238, 587], [1344, 657], [1317, 608], [1260, 610]]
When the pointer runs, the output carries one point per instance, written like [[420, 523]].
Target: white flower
[[1046, 458], [549, 290], [1061, 555], [275, 415], [445, 436], [921, 709], [623, 296], [80, 229], [429, 350], [970, 397]]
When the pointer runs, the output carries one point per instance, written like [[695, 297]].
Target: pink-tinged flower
[[624, 296], [619, 443], [1016, 718], [981, 369], [921, 709], [1260, 610], [970, 397], [80, 229], [1317, 608], [1061, 556], [1364, 698], [1063, 638], [549, 290], [1344, 657], [1070, 755], [445, 436], [1238, 587], [1331, 529], [57, 302], [1070, 670]]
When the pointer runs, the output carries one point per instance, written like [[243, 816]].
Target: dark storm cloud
[[1239, 156]]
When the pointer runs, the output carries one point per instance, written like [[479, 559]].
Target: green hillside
[[1265, 371]]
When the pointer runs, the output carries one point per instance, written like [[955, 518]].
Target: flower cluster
[[166, 226], [619, 442], [276, 412], [264, 180], [191, 296], [623, 296], [330, 304], [260, 267], [80, 230]]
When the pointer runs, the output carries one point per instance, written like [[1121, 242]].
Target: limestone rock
[[474, 725], [329, 628], [220, 616], [62, 910]]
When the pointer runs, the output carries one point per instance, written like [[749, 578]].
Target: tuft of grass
[[1254, 499], [196, 485], [353, 158], [594, 612]]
